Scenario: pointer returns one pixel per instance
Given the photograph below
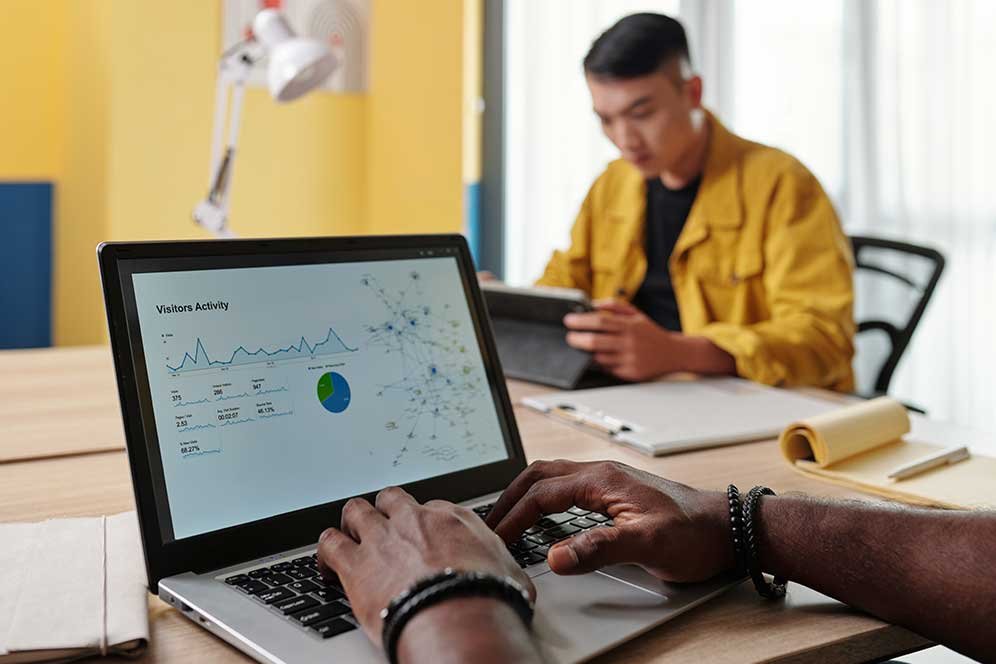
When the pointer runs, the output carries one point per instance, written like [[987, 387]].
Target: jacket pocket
[[726, 258], [612, 240]]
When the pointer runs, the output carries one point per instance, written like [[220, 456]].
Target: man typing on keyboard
[[438, 584]]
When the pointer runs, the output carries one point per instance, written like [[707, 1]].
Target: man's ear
[[693, 91]]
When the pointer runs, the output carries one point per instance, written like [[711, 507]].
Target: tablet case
[[530, 335]]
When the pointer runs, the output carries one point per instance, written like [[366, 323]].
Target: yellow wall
[[415, 119], [311, 158], [473, 89], [81, 213], [32, 40], [132, 88]]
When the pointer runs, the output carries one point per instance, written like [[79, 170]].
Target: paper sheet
[[964, 485]]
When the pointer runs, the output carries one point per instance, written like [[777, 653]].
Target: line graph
[[234, 396], [194, 427], [231, 423], [198, 453], [332, 344], [270, 417], [272, 391], [179, 404], [244, 395], [227, 423]]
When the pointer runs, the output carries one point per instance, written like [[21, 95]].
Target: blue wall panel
[[25, 264], [472, 219]]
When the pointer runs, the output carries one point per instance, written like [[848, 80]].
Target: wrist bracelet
[[776, 588], [449, 584], [736, 527]]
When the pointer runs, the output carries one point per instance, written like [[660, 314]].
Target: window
[[554, 147], [888, 102]]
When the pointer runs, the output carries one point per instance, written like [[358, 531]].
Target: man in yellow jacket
[[705, 252]]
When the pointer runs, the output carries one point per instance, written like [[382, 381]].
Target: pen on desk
[[569, 414], [565, 413], [942, 458], [535, 404], [599, 422]]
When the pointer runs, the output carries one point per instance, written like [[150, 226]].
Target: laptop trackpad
[[678, 594], [580, 616]]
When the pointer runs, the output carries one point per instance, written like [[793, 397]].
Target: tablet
[[531, 337], [536, 303]]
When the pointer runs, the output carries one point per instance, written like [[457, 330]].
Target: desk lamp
[[296, 66]]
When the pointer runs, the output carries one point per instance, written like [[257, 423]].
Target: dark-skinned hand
[[673, 531], [381, 551]]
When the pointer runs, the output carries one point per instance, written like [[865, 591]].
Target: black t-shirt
[[667, 210]]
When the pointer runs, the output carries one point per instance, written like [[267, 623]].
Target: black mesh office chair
[[891, 275]]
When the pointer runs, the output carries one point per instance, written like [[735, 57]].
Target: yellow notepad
[[858, 446]]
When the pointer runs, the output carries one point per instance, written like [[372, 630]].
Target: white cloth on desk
[[70, 587]]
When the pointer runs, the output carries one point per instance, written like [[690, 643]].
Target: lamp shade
[[296, 65]]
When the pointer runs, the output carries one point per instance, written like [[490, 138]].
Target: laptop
[[265, 382]]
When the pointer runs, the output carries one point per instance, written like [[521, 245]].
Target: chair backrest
[[886, 259]]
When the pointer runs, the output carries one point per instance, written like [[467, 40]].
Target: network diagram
[[437, 372]]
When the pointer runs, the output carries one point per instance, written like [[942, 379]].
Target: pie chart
[[333, 392]]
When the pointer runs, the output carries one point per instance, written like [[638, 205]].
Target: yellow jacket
[[761, 268]]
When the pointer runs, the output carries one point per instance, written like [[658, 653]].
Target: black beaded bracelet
[[736, 527], [449, 584], [776, 588]]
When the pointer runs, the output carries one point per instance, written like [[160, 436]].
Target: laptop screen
[[275, 388]]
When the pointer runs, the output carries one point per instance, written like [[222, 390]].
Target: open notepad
[[72, 588], [859, 445]]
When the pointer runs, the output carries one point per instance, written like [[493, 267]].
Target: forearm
[[928, 570], [461, 630], [701, 356], [788, 351]]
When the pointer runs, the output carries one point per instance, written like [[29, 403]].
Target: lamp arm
[[218, 127], [233, 70]]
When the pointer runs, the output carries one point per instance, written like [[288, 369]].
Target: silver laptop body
[[265, 382]]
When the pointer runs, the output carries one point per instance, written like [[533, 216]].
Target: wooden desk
[[64, 402], [55, 402]]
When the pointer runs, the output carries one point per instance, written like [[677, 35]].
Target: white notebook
[[677, 415], [72, 588]]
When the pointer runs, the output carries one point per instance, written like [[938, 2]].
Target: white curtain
[[891, 103], [554, 147], [920, 149]]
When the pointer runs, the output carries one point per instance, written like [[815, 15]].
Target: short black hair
[[637, 45]]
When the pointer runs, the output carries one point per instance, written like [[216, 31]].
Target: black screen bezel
[[282, 532]]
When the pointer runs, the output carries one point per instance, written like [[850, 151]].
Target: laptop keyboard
[[532, 547], [296, 590]]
